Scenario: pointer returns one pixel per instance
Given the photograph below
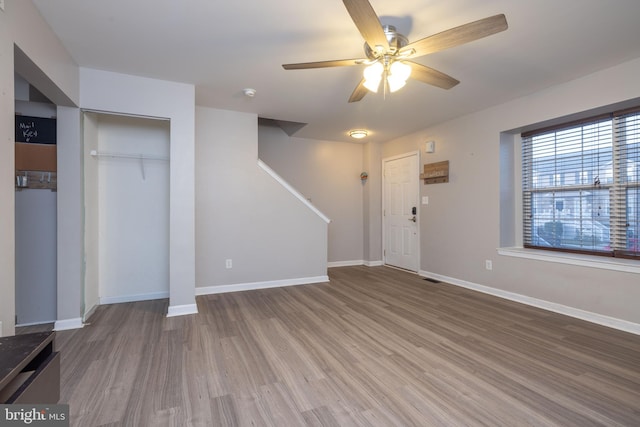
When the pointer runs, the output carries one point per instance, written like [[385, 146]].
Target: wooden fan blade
[[368, 24], [359, 92], [323, 64], [430, 76], [457, 36]]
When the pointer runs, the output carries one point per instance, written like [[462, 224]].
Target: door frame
[[384, 195]]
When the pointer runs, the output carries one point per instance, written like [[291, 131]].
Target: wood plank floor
[[374, 347]]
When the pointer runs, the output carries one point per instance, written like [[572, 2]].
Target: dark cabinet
[[29, 369]]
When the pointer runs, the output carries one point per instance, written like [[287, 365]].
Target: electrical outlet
[[488, 264], [228, 263]]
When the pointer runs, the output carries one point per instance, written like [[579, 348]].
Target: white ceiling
[[224, 47]]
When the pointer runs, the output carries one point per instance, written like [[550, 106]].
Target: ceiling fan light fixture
[[400, 70], [372, 84], [398, 75], [372, 76], [395, 84], [358, 133]]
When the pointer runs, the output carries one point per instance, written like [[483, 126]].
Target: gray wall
[[243, 214], [70, 219], [328, 174], [467, 219], [36, 225], [35, 256], [373, 204], [7, 177]]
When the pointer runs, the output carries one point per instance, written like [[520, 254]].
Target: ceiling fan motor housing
[[396, 42]]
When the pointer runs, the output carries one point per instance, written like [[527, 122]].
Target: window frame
[[617, 186]]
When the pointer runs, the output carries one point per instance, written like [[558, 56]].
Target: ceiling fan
[[388, 53]]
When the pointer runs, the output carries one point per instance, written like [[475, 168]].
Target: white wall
[[133, 209], [118, 93], [460, 228], [52, 70], [91, 242], [21, 87], [70, 226], [55, 73], [328, 174], [243, 214]]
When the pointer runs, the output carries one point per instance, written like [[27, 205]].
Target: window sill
[[616, 264]]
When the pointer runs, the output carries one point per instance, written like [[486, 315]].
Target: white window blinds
[[626, 193], [580, 186]]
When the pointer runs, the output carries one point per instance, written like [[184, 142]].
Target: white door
[[400, 215]]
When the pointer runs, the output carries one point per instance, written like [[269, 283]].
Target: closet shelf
[[95, 153], [140, 157]]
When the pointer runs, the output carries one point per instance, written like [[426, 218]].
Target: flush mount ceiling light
[[249, 92], [358, 133]]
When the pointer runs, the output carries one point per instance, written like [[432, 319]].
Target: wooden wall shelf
[[436, 173], [36, 180]]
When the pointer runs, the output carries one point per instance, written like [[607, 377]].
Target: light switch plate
[[425, 200]]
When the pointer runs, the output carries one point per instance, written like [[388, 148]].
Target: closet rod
[[95, 153]]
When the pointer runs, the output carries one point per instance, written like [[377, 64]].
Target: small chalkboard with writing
[[37, 130]]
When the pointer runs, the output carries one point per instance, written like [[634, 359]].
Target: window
[[581, 186]]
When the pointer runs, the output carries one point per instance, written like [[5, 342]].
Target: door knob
[[413, 219]]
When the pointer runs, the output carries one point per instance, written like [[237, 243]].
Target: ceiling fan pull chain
[[386, 85]]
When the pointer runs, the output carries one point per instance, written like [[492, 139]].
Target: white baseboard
[[66, 324], [599, 319], [182, 310], [208, 290], [355, 262], [374, 263], [345, 263], [133, 298]]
